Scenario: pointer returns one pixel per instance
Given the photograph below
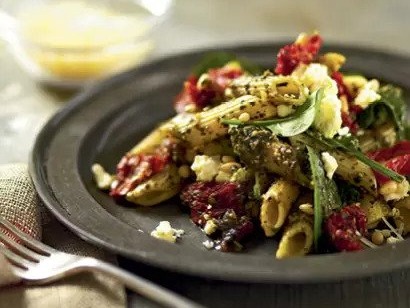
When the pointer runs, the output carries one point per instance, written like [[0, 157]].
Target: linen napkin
[[20, 205]]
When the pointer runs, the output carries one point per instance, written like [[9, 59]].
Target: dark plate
[[100, 125]]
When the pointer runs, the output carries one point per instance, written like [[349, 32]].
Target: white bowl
[[73, 43]]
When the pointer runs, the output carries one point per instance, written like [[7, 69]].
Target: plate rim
[[39, 177]]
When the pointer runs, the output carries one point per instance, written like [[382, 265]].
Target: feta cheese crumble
[[205, 167], [329, 117], [208, 244], [102, 178], [330, 164], [165, 232], [368, 94], [344, 131]]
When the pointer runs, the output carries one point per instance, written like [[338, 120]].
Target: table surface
[[25, 106]]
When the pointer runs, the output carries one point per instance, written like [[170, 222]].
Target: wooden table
[[25, 106]]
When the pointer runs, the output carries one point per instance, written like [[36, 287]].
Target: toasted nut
[[377, 238], [229, 167], [244, 117], [306, 208]]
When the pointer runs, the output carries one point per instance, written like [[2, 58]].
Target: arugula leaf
[[347, 192], [345, 145], [390, 106], [219, 59], [325, 194], [295, 124]]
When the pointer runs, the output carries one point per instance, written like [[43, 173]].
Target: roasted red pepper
[[396, 158], [204, 95], [290, 56]]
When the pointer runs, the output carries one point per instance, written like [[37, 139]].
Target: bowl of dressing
[[71, 44]]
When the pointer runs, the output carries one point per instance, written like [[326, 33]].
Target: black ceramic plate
[[101, 124]]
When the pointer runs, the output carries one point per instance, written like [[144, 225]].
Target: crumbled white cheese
[[205, 167], [164, 231], [328, 120], [329, 163], [210, 227], [284, 110], [392, 190], [102, 178], [367, 94], [208, 244], [343, 131]]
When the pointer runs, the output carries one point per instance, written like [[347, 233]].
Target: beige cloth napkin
[[19, 204]]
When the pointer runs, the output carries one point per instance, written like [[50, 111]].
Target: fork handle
[[140, 285]]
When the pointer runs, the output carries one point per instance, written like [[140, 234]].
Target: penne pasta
[[297, 238], [276, 204], [206, 126], [277, 90], [157, 189]]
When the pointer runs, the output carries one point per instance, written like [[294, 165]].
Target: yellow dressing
[[73, 40]]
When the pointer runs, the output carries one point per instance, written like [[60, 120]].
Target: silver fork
[[37, 263]]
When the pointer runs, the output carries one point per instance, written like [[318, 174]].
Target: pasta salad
[[302, 152]]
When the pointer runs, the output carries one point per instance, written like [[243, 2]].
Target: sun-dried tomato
[[342, 226], [213, 199], [349, 120], [225, 204], [204, 95], [342, 89], [133, 169], [290, 56], [396, 158]]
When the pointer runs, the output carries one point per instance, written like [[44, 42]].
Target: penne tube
[[277, 90], [203, 127], [276, 204], [355, 172], [152, 141], [158, 188], [297, 238]]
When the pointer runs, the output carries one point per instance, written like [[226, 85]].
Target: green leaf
[[318, 141], [347, 192], [325, 194], [219, 59], [295, 124], [391, 106]]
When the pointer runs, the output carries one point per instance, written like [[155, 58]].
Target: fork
[[37, 263]]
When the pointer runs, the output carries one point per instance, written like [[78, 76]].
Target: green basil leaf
[[219, 59], [391, 106], [325, 194], [301, 120], [295, 124]]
